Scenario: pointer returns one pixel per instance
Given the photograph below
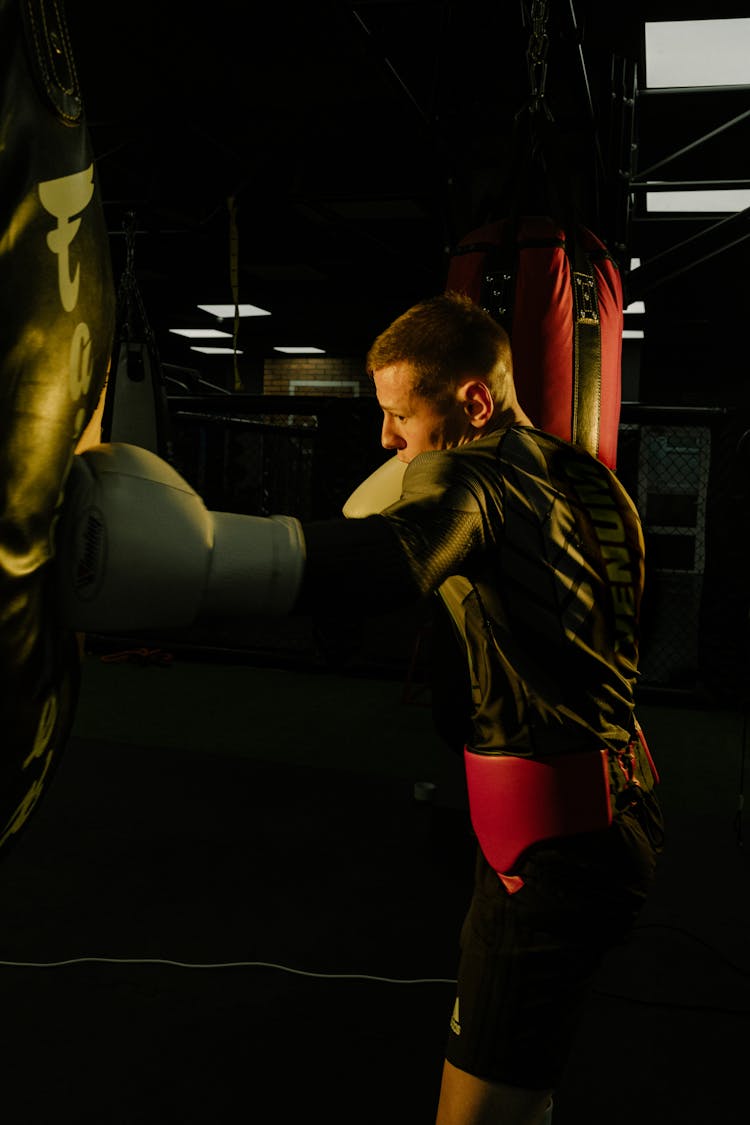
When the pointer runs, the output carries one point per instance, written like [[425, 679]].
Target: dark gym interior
[[240, 897]]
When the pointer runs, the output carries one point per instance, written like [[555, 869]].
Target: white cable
[[217, 965]]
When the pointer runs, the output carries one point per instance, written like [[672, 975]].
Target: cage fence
[[685, 473]]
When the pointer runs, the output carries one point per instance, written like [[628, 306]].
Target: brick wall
[[316, 375]]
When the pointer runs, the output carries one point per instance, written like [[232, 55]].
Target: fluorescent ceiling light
[[301, 351], [633, 334], [723, 200], [636, 307], [688, 53], [201, 333], [215, 351], [226, 311]]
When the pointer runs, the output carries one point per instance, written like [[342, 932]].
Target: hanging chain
[[129, 297], [536, 54], [128, 224], [234, 265]]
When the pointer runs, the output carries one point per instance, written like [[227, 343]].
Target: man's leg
[[467, 1100]]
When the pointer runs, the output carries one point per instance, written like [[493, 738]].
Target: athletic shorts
[[528, 958]]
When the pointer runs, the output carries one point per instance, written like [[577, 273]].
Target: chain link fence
[[685, 470]]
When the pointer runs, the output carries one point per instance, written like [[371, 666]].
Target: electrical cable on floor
[[339, 976], [672, 1005], [743, 972], [394, 980], [219, 965]]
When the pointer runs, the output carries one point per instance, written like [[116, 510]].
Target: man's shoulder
[[443, 478], [434, 469], [489, 453]]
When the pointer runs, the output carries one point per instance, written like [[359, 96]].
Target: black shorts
[[528, 958]]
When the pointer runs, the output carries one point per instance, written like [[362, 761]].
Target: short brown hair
[[446, 338]]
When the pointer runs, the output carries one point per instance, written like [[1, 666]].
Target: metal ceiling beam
[[696, 144], [684, 256], [719, 236]]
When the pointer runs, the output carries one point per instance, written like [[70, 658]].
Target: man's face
[[413, 424]]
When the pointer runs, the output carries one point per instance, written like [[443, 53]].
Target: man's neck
[[504, 419]]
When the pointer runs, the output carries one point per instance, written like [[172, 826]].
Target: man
[[536, 552]]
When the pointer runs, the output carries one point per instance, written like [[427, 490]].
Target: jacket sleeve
[[381, 562]]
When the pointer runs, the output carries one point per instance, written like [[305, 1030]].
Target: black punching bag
[[56, 325]]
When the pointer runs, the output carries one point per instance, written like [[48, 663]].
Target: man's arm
[[137, 548]]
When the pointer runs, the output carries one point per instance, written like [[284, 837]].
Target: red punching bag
[[558, 293], [57, 317]]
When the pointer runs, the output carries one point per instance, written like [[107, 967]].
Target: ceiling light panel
[[722, 201], [207, 350], [225, 312], [300, 350], [689, 53]]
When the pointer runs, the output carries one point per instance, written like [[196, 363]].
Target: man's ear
[[477, 401]]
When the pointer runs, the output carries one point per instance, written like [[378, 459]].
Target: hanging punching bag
[[541, 272], [135, 408], [558, 293], [57, 317]]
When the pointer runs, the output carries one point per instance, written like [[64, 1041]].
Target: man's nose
[[389, 438]]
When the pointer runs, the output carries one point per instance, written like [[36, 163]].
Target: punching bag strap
[[587, 346], [51, 60], [587, 349]]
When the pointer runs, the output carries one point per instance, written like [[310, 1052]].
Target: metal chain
[[129, 300], [536, 54]]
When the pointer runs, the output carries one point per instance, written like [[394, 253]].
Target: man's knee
[[468, 1100]]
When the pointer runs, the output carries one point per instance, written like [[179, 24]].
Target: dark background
[[229, 905], [360, 141]]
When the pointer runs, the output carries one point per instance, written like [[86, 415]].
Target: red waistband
[[515, 802]]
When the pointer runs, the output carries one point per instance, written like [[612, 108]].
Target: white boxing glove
[[137, 548], [378, 491]]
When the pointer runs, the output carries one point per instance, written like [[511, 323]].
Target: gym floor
[[230, 906]]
